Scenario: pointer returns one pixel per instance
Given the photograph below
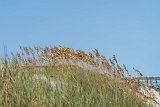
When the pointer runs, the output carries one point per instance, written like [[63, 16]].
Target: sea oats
[[138, 72], [65, 58]]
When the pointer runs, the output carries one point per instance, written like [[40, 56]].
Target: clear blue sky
[[130, 29]]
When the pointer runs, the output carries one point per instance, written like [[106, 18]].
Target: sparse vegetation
[[63, 77]]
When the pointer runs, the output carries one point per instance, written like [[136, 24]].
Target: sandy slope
[[148, 92], [152, 92]]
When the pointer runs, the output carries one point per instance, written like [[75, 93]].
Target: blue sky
[[130, 29]]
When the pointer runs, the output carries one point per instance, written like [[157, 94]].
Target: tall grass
[[62, 77]]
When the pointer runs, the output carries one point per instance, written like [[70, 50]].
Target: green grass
[[73, 87], [45, 77]]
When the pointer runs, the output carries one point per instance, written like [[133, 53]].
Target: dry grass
[[83, 73]]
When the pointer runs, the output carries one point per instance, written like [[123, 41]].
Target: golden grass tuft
[[38, 58]]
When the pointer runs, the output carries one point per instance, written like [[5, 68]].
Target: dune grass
[[39, 82]]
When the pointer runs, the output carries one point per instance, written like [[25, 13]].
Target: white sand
[[152, 92]]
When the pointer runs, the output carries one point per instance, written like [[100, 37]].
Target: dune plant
[[63, 77]]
